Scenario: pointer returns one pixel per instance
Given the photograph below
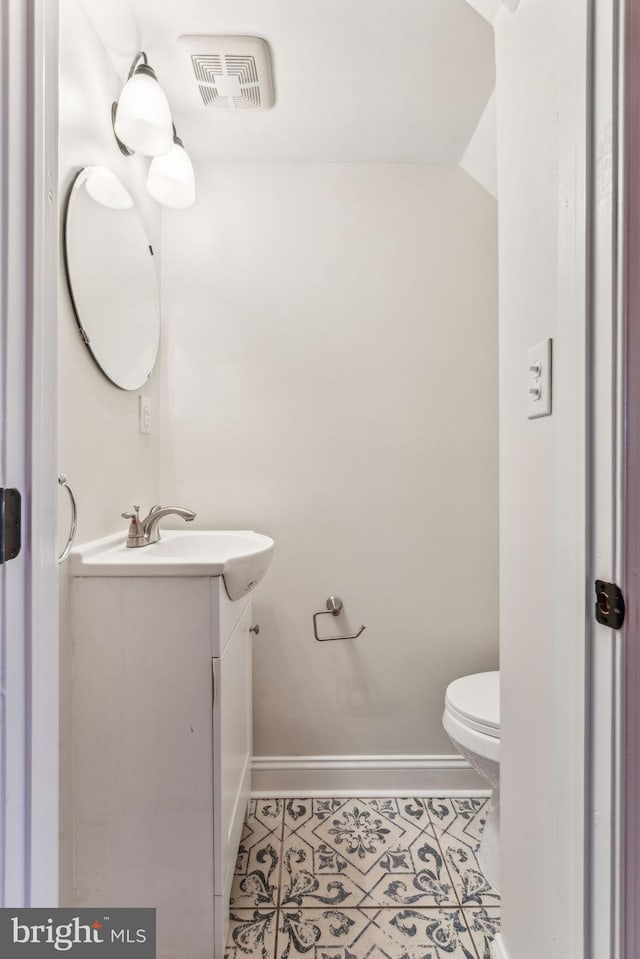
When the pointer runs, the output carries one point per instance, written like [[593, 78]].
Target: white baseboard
[[496, 948], [446, 775]]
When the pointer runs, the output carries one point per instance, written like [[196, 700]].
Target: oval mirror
[[112, 277]]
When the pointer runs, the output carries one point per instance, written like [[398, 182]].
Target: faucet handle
[[135, 536]]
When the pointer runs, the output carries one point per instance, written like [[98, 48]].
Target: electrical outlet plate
[[539, 380]]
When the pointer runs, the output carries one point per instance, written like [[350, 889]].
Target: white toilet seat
[[476, 698], [471, 739], [472, 713]]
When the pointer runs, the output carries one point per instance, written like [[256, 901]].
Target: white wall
[[329, 377], [480, 157], [541, 90], [108, 463]]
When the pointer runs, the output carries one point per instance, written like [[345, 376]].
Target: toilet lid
[[475, 700]]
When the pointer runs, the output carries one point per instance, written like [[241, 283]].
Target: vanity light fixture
[[171, 180], [141, 118]]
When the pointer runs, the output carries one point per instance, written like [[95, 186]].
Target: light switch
[[144, 414], [539, 380]]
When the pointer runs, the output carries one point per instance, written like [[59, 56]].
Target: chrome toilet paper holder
[[334, 608]]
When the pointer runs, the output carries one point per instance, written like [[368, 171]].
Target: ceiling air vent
[[231, 73]]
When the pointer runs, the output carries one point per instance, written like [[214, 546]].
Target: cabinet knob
[[255, 629]]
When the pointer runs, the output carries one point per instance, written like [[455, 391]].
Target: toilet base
[[489, 849]]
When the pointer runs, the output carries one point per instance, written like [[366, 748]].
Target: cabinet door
[[232, 744], [142, 753]]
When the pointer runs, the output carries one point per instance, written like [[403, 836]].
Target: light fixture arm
[[139, 64], [121, 146], [136, 60], [176, 138]]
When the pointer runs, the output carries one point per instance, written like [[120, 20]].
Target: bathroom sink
[[241, 557]]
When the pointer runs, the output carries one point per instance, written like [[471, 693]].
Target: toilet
[[472, 721]]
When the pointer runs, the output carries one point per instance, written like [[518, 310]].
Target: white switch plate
[[539, 380], [144, 414]]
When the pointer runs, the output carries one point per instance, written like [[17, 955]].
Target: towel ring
[[62, 480]]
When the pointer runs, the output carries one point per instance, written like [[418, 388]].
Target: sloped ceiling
[[480, 159], [363, 80], [486, 8]]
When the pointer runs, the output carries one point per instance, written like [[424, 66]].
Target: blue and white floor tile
[[461, 818], [458, 826], [363, 852], [257, 871], [365, 933], [484, 925], [352, 878], [297, 812], [252, 932]]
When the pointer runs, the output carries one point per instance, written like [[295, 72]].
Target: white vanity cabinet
[[161, 751]]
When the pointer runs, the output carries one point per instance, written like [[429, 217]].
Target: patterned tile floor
[[362, 879]]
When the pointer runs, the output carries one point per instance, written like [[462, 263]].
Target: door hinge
[[610, 607], [10, 524]]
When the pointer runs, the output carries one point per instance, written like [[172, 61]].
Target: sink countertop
[[242, 557]]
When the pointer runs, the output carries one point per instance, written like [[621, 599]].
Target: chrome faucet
[[143, 532]]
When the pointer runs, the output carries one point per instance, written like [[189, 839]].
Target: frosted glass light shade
[[105, 188], [171, 180], [143, 118]]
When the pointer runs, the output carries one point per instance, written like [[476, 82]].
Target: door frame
[[604, 392], [28, 334], [614, 826], [630, 288], [612, 822]]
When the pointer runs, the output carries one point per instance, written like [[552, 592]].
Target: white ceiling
[[356, 80]]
